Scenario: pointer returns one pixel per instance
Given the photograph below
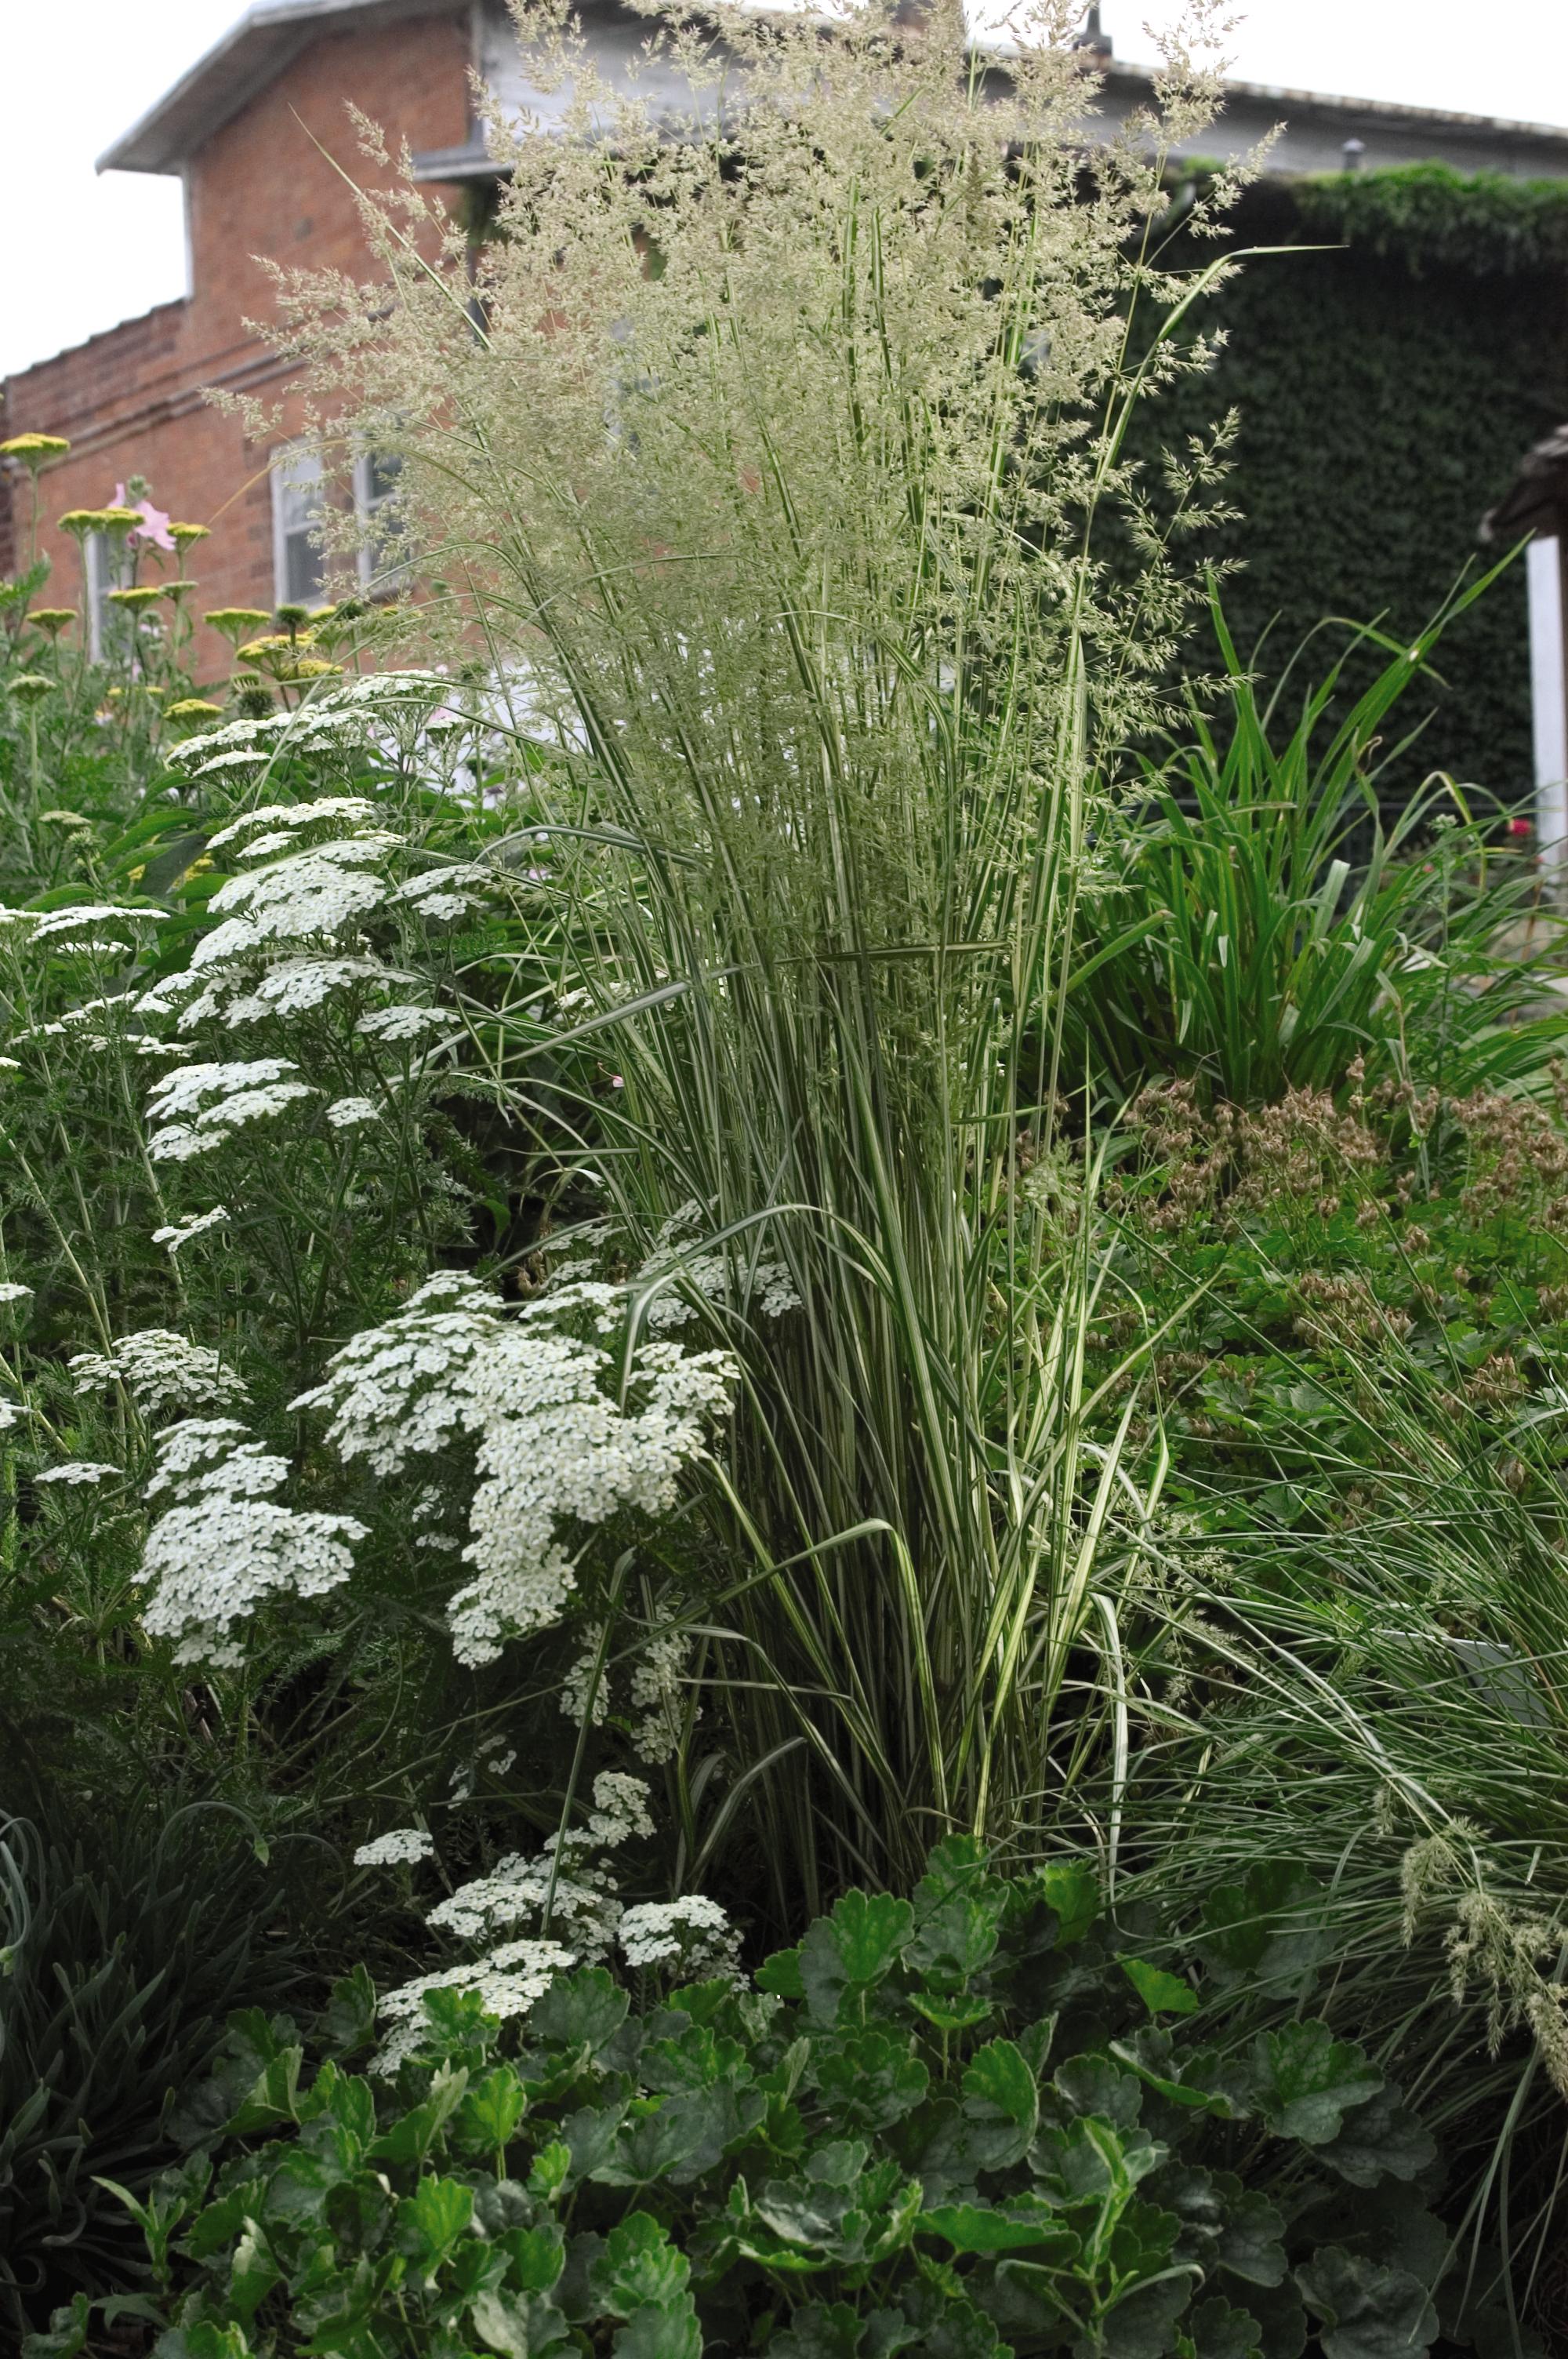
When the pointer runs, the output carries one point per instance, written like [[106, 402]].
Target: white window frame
[[294, 464], [102, 576], [381, 582]]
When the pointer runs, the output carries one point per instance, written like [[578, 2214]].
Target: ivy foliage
[[1389, 370], [964, 2123], [1431, 219]]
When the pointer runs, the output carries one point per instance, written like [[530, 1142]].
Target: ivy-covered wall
[[1387, 391]]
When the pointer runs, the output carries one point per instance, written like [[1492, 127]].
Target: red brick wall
[[131, 401]]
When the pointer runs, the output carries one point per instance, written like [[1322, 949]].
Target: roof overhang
[[266, 40], [272, 33]]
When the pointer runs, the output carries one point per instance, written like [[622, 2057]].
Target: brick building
[[241, 131]]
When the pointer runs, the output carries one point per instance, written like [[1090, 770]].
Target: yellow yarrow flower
[[35, 451], [135, 602], [193, 707], [235, 621], [53, 619], [276, 643], [27, 687], [184, 533]]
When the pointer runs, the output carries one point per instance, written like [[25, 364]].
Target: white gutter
[[1549, 698]]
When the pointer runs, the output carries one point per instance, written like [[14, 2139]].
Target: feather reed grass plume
[[779, 450]]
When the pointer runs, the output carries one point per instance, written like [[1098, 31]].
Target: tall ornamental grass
[[773, 452], [1356, 1785]]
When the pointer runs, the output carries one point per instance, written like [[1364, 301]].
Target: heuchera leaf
[[1381, 2139], [1218, 2332], [585, 2009], [1024, 2222], [1369, 2312], [638, 2265], [1161, 1994], [1305, 2081], [1072, 1891], [847, 1954]]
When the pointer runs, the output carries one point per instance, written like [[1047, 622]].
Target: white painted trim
[[1549, 697], [283, 460]]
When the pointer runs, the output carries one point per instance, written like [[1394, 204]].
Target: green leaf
[[867, 2080], [1024, 2221], [536, 2257], [951, 2015], [1305, 2081], [780, 1974], [1267, 1929], [273, 2097], [585, 2009], [410, 2138], [845, 1954], [1001, 2107], [519, 2327], [1218, 2332], [652, 2332], [639, 2266], [1382, 2139], [1283, 2320], [1251, 2244], [431, 2220], [1092, 2084], [1368, 2312], [552, 2169], [490, 2113], [349, 2019], [1071, 1892], [820, 2331], [1161, 1994], [1142, 2325]]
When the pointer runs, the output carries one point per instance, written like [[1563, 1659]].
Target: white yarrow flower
[[404, 1847]]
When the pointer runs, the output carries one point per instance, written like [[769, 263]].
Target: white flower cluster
[[280, 821], [768, 1284], [221, 1099], [583, 1899], [404, 1847], [302, 896], [508, 1980], [161, 1370], [398, 1390], [554, 1446], [288, 986], [180, 1232], [225, 1546], [657, 1685], [405, 1023], [13, 1290], [693, 1933], [74, 1472]]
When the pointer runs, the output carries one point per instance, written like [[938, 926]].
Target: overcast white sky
[[82, 253]]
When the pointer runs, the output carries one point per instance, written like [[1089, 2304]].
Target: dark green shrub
[[960, 2123], [121, 1954]]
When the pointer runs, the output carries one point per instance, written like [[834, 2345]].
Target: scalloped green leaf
[[1368, 2311], [1305, 2081]]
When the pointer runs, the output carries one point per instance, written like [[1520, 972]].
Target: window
[[299, 566], [108, 568], [383, 561]]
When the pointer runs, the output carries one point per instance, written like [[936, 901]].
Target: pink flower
[[154, 525], [1520, 827]]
